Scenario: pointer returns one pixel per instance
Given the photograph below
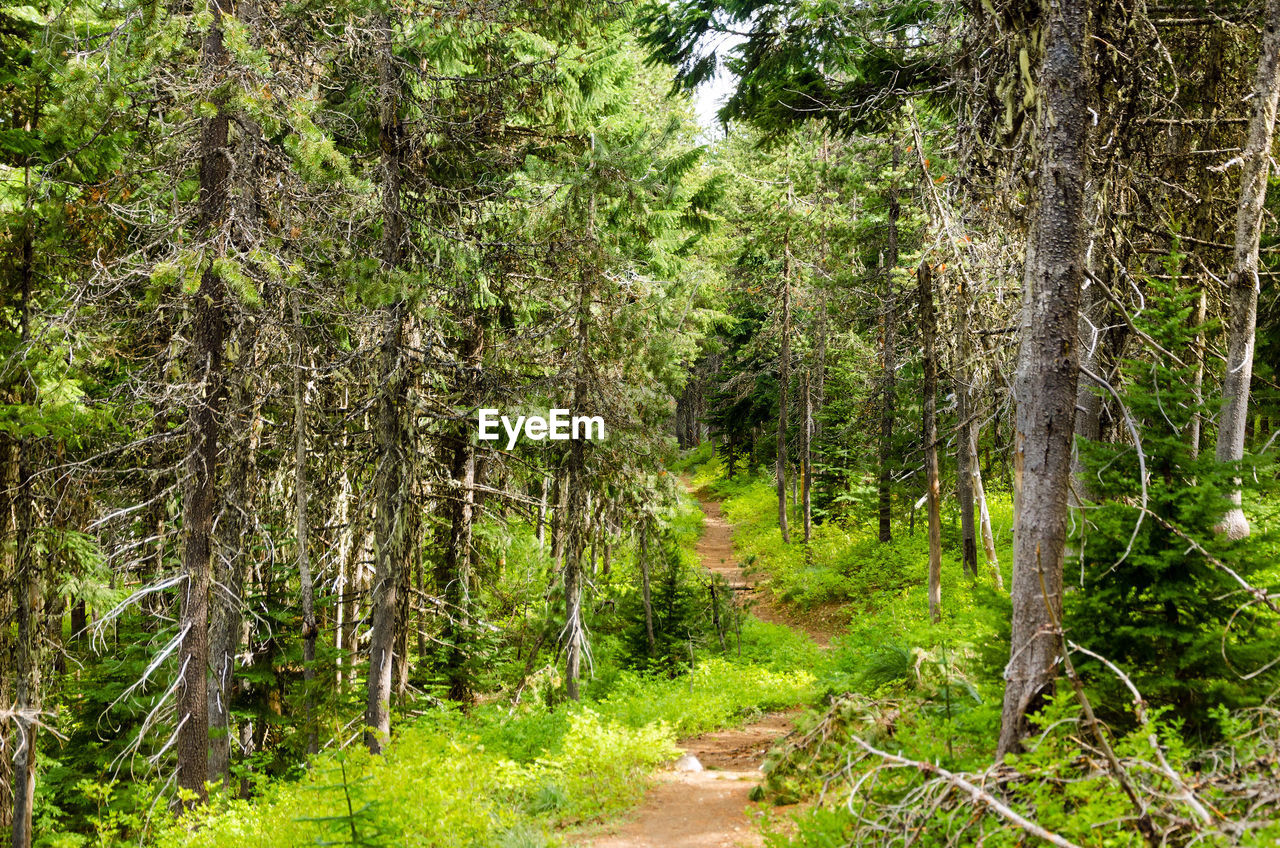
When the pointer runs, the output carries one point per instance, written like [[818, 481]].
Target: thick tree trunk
[[392, 480], [231, 565], [889, 370], [234, 518], [391, 491], [928, 331], [205, 413], [1242, 283], [1046, 381]]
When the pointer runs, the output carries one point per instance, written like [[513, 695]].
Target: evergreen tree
[[1148, 597]]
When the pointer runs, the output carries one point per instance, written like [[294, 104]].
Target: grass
[[512, 776]]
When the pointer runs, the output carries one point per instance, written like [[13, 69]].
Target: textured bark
[[933, 494], [889, 369], [1046, 377], [784, 377], [1196, 426], [806, 459], [231, 565], [391, 483], [27, 586], [1242, 283], [965, 464], [12, 453], [205, 413], [302, 532], [453, 575], [391, 488], [575, 636]]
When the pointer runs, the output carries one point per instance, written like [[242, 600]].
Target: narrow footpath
[[708, 808]]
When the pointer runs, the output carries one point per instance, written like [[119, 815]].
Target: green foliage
[[1145, 597]]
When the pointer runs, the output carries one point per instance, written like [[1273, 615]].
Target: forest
[[625, 423]]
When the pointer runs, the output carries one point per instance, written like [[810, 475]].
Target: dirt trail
[[716, 550], [709, 808], [704, 809]]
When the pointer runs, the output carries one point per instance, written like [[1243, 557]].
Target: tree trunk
[[928, 330], [1242, 283], [453, 577], [1046, 380], [642, 554], [231, 565], [302, 498], [27, 590], [984, 515], [1196, 436], [888, 383], [784, 377], [391, 483], [806, 460], [391, 487], [233, 521], [575, 637], [205, 412], [542, 511], [965, 464]]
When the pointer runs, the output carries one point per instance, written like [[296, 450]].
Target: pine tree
[[1146, 599]]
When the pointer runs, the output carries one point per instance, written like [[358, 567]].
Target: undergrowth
[[927, 697], [514, 772]]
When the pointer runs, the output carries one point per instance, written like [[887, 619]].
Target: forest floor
[[711, 808]]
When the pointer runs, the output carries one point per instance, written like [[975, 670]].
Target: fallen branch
[[976, 794], [1140, 710]]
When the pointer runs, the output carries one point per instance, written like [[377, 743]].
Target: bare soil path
[[715, 548], [709, 808]]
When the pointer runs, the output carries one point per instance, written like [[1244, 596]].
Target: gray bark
[[1048, 361], [231, 565], [806, 459], [205, 412], [928, 330], [27, 587], [965, 461], [302, 527], [391, 483], [1242, 283], [888, 387]]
